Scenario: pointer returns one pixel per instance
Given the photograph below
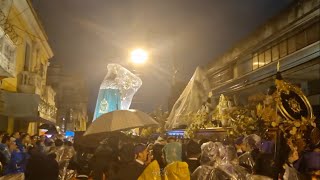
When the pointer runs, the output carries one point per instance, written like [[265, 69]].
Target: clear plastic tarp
[[191, 99], [116, 90]]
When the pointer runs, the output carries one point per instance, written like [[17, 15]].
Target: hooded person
[[230, 165], [131, 161], [175, 169], [209, 156], [252, 145]]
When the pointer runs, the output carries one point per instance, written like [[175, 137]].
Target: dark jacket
[[40, 166], [130, 171], [192, 164]]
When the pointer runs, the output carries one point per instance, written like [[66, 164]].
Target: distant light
[[139, 56]]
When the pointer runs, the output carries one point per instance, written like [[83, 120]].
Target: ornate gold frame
[[284, 87]]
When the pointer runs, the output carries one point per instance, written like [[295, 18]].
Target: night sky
[[86, 35]]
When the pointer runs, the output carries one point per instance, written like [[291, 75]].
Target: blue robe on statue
[[108, 100]]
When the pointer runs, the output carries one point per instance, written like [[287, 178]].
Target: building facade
[[291, 39], [25, 99], [71, 99]]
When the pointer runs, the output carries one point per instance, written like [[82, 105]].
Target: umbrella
[[52, 129], [120, 120], [47, 126]]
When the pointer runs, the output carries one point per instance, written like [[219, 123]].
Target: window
[[291, 45], [301, 40], [275, 52], [267, 56], [255, 63], [243, 67], [313, 33], [283, 48], [261, 60]]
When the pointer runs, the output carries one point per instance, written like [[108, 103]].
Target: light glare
[[139, 56]]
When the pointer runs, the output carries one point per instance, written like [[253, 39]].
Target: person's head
[[58, 142], [238, 143], [209, 153], [7, 140], [42, 138], [193, 149], [171, 139], [172, 152], [126, 153], [68, 143], [16, 135], [252, 142], [34, 139], [230, 155], [25, 138], [161, 140], [141, 152], [157, 153]]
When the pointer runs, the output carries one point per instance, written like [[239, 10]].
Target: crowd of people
[[120, 157], [34, 157], [169, 158]]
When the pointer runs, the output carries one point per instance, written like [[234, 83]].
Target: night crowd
[[120, 157]]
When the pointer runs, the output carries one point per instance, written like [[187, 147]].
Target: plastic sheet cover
[[191, 99], [116, 90]]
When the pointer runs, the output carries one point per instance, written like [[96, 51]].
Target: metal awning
[[23, 106]]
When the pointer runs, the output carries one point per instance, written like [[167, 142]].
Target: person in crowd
[[41, 166], [58, 150], [16, 135], [230, 164], [175, 168], [238, 143], [209, 156], [171, 139], [6, 143], [252, 144], [40, 144], [132, 161], [157, 155], [2, 133], [308, 163], [68, 153], [193, 155], [17, 161], [25, 143], [105, 158], [160, 141]]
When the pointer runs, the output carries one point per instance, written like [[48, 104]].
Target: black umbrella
[[50, 127]]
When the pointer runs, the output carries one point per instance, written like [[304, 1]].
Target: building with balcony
[[25, 99], [292, 38], [71, 99]]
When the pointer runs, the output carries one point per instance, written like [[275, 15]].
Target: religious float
[[283, 111]]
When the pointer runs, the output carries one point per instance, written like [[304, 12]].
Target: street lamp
[[139, 56]]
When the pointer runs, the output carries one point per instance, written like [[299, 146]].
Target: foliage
[[160, 116]]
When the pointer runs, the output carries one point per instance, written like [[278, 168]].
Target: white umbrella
[[120, 120]]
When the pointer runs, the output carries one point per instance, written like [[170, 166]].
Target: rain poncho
[[176, 171], [151, 172], [252, 143], [173, 152], [117, 90], [230, 165], [209, 156]]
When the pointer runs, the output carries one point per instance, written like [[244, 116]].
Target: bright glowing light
[[139, 56]]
